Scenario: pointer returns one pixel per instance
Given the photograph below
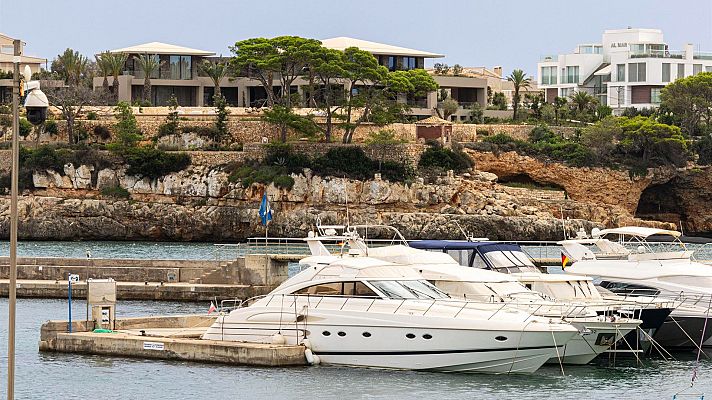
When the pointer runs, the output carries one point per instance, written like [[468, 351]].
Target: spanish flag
[[564, 260]]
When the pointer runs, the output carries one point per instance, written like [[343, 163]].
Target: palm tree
[[148, 64], [216, 71], [520, 81], [103, 63], [72, 65], [117, 62], [583, 101]]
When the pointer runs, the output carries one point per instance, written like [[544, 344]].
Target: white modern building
[[627, 68]]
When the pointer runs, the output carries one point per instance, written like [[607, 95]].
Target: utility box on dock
[[101, 300]]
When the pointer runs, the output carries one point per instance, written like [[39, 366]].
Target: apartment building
[[179, 76], [628, 68]]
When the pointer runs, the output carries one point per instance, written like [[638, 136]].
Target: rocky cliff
[[201, 204]]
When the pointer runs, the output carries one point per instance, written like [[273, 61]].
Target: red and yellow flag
[[564, 260]]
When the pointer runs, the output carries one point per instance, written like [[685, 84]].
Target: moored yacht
[[632, 266], [360, 311], [597, 332], [511, 259]]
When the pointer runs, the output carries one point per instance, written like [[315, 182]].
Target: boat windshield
[[402, 290], [510, 261]]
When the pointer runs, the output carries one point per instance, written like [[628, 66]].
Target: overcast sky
[[512, 33]]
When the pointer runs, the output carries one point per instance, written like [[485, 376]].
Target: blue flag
[[265, 210]]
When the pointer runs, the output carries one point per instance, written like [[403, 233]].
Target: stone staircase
[[225, 273]]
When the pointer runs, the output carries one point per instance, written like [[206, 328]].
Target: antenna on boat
[[682, 233], [467, 236], [346, 198], [563, 222]]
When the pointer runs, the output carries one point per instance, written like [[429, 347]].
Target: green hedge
[[153, 163]]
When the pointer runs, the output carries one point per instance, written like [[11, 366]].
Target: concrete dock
[[169, 338], [140, 279]]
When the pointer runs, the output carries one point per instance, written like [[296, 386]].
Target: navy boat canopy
[[481, 247]]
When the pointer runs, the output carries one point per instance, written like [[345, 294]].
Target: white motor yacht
[[630, 265], [511, 259], [360, 311], [597, 332]]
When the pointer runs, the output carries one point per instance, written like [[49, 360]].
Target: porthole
[[366, 334], [341, 333], [410, 336], [326, 333], [500, 338], [427, 336]]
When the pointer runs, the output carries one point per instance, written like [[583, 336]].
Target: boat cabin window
[[402, 290], [510, 261], [629, 288], [341, 289]]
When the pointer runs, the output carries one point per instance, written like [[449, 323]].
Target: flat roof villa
[[179, 76], [626, 69]]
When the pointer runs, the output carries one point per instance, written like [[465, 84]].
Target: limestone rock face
[[200, 203]]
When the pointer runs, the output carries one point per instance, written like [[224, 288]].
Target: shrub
[[221, 113], [91, 115], [116, 192], [446, 159], [50, 126], [240, 173], [170, 127], [127, 133], [102, 132], [283, 182], [704, 149], [500, 138], [25, 127], [351, 162], [153, 163], [282, 154]]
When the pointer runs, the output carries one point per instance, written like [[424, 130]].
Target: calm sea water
[[206, 251], [70, 376]]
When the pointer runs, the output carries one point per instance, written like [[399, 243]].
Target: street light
[[37, 105]]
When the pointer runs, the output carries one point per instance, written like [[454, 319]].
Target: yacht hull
[[675, 331], [403, 341], [595, 338]]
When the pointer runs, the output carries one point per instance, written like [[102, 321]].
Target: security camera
[[36, 102], [36, 105]]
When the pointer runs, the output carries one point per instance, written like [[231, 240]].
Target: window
[[620, 72], [708, 68], [655, 95], [548, 75], [407, 63], [566, 92], [408, 290], [666, 72], [186, 71], [572, 74], [636, 72], [629, 288], [175, 67], [680, 71], [392, 63], [696, 69], [346, 289]]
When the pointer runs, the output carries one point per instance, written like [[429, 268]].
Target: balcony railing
[[658, 54], [702, 55]]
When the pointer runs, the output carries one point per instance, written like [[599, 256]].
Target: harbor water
[[89, 376], [72, 376]]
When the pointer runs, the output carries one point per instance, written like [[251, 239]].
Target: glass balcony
[[658, 54]]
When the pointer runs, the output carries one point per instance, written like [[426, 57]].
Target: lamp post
[[17, 53]]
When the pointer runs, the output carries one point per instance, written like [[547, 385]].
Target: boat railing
[[298, 304]]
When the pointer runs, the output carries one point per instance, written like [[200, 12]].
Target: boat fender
[[309, 356], [317, 359], [307, 343], [277, 338]]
